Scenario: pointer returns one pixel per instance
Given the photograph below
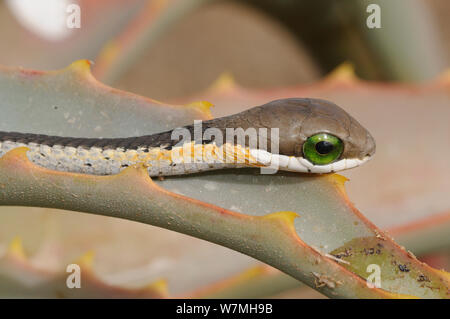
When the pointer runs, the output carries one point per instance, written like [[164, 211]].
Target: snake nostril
[[370, 145]]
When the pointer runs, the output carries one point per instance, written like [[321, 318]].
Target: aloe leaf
[[264, 228], [29, 46], [263, 281]]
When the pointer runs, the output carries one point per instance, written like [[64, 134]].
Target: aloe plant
[[302, 225], [387, 188]]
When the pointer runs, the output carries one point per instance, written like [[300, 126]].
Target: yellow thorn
[[203, 106], [224, 82], [343, 73], [285, 216], [160, 286], [16, 250], [86, 260]]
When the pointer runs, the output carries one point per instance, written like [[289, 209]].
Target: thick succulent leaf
[[328, 222], [70, 102]]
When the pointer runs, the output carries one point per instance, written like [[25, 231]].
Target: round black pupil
[[324, 147]]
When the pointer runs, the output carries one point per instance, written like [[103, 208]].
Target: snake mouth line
[[299, 164]]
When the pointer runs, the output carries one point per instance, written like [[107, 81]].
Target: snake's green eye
[[322, 148]]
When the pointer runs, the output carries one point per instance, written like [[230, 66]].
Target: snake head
[[315, 135]]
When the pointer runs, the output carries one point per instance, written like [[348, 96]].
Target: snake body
[[296, 120]]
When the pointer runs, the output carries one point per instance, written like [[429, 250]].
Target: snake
[[309, 136]]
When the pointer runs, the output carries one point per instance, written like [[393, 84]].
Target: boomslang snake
[[296, 134]]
